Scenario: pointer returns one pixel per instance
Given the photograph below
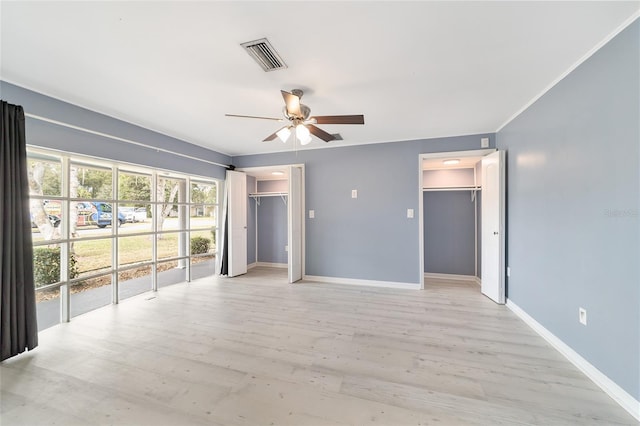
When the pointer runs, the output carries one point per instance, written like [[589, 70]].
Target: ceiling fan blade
[[253, 116], [327, 137], [339, 119], [292, 102]]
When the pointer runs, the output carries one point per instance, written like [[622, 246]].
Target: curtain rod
[[117, 138]]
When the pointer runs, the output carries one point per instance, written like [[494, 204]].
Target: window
[[103, 231]]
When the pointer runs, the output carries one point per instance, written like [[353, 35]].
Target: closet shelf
[[257, 195], [453, 188]]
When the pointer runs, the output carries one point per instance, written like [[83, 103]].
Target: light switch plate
[[484, 143], [582, 316], [312, 214], [354, 193], [410, 213]]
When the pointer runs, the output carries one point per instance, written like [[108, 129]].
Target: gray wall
[[573, 209], [280, 185], [48, 135], [479, 232], [479, 218], [449, 232], [251, 221], [370, 237], [272, 222], [272, 230], [447, 178]]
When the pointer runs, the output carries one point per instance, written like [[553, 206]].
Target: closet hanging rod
[[257, 195], [117, 138], [455, 188], [268, 194]]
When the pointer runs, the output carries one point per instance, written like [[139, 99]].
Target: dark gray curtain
[[18, 324]]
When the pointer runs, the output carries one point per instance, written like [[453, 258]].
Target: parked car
[[140, 214], [55, 221], [133, 214], [103, 215], [128, 213]]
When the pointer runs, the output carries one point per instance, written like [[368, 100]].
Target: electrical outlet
[[484, 142], [354, 193], [312, 214], [582, 316], [508, 271], [410, 213]]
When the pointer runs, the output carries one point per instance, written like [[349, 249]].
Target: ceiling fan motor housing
[[305, 110]]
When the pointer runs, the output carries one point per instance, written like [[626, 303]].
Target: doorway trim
[[431, 156], [301, 166]]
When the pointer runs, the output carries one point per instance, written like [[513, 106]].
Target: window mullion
[[115, 284], [154, 241], [65, 247], [187, 228]]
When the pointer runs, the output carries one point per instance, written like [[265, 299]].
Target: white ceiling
[[414, 69]]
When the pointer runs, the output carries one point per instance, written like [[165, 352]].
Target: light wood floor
[[255, 351]]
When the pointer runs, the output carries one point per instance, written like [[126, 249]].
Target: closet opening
[[275, 222], [451, 218]]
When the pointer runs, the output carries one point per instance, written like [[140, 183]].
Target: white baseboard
[[369, 283], [478, 281], [252, 265], [618, 394], [435, 276], [272, 265]]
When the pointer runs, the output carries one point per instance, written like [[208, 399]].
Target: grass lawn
[[94, 255]]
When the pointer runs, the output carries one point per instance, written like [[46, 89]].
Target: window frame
[[65, 240]]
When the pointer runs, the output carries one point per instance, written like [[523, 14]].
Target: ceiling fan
[[297, 115]]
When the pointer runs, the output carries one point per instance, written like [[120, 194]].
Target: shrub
[[200, 245], [46, 265]]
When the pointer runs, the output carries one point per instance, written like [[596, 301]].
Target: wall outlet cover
[[410, 213], [484, 143], [354, 193], [312, 214]]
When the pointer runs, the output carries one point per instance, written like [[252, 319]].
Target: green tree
[[94, 183], [134, 187], [203, 193], [166, 193], [44, 179]]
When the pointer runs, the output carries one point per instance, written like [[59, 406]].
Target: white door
[[237, 223], [493, 194], [295, 217]]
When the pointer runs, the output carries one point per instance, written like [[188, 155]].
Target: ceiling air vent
[[264, 54]]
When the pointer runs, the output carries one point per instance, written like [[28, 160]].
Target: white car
[[128, 213], [134, 214], [140, 214]]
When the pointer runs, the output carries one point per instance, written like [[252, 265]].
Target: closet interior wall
[[451, 199], [271, 223]]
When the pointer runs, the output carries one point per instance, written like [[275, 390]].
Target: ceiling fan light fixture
[[302, 132], [284, 134], [305, 140]]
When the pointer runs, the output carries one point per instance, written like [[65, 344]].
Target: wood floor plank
[[254, 350]]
